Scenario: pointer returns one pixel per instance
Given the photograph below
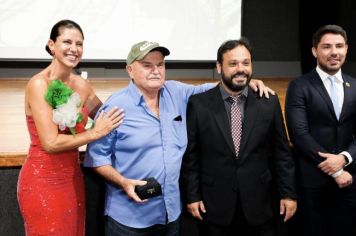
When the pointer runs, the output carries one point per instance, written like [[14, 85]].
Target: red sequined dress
[[50, 190]]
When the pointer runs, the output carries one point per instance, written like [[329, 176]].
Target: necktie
[[236, 124], [334, 96]]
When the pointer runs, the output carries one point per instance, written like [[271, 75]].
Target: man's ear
[[218, 67], [129, 70], [314, 51]]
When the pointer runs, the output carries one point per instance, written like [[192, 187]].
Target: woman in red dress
[[50, 187]]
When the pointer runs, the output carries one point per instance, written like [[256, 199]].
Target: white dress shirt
[[340, 92]]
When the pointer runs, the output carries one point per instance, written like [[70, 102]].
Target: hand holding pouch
[[149, 190]]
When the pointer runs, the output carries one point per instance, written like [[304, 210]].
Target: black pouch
[[149, 190]]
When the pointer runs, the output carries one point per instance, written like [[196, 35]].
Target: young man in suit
[[321, 120], [237, 163]]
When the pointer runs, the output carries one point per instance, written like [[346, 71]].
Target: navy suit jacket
[[313, 126], [210, 172]]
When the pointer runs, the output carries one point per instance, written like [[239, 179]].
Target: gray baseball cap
[[141, 49]]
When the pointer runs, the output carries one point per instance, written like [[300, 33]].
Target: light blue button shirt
[[145, 146]]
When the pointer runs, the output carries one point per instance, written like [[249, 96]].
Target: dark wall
[[282, 30], [272, 28], [10, 220], [314, 14]]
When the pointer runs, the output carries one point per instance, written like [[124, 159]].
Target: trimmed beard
[[235, 87]]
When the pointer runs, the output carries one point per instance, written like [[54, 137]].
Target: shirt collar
[[137, 95], [226, 95], [324, 76]]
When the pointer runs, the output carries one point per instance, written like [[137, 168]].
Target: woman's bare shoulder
[[37, 81], [81, 85]]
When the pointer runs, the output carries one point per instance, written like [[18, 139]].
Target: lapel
[[316, 82], [347, 96], [250, 115], [220, 115]]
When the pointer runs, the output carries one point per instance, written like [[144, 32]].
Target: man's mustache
[[241, 73]]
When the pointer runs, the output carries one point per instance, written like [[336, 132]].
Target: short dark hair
[[231, 44], [55, 32], [326, 29]]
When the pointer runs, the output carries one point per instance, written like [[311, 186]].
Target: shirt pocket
[[179, 129]]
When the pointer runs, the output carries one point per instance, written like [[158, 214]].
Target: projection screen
[[191, 29]]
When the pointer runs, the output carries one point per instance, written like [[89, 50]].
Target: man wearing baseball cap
[[150, 143], [141, 49]]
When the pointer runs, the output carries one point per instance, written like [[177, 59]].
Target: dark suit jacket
[[313, 126], [211, 172]]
